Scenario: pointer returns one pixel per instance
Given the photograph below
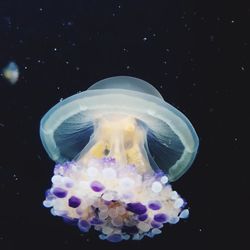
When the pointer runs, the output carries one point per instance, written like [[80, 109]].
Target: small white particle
[[108, 197], [174, 195], [56, 179], [107, 230], [164, 179], [145, 39], [156, 187], [109, 173], [102, 237], [92, 172], [136, 237], [52, 210], [143, 226], [127, 183], [184, 214], [83, 185], [126, 236], [156, 231], [47, 203], [173, 220], [178, 203]]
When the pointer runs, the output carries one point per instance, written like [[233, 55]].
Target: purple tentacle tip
[[155, 205], [142, 217], [83, 225], [155, 224], [60, 192], [114, 238], [96, 221], [70, 221], [74, 202], [97, 186], [136, 208], [161, 217], [108, 160]]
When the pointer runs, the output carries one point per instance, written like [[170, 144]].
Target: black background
[[196, 53]]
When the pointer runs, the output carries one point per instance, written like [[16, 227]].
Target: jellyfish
[[117, 148]]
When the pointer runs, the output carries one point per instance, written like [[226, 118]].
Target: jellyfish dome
[[117, 147]]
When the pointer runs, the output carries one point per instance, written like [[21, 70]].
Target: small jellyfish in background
[[117, 147], [11, 72]]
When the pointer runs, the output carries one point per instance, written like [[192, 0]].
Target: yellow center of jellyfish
[[122, 138]]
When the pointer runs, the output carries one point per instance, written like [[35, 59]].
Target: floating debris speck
[[11, 72]]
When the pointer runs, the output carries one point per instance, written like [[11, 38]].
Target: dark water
[[196, 54]]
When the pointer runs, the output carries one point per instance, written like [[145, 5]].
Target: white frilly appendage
[[116, 200]]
